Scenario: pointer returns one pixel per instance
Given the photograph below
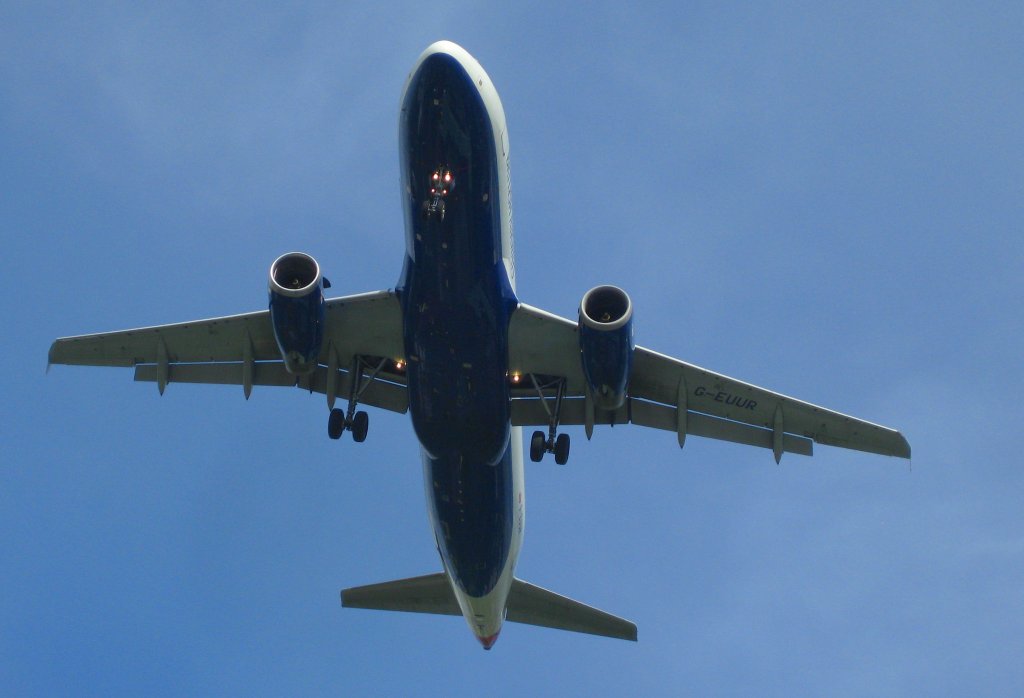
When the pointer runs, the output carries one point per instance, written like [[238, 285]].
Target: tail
[[527, 604]]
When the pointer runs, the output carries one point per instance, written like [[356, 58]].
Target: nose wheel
[[554, 442]]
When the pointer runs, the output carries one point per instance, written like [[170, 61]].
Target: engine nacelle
[[606, 344], [297, 310]]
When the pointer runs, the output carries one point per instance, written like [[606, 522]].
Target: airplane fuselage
[[457, 292]]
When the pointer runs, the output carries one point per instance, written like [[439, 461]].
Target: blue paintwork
[[298, 327], [471, 507], [607, 358], [456, 301]]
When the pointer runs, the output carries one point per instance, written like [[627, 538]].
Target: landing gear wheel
[[562, 449], [336, 424], [537, 446], [360, 425]]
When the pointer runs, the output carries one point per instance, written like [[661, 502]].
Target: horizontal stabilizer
[[535, 606], [430, 593], [526, 604]]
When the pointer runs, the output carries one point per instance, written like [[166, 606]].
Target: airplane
[[453, 345]]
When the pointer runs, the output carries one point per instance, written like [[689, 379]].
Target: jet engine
[[606, 344], [297, 310]]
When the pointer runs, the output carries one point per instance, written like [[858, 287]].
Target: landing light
[[516, 377], [399, 364]]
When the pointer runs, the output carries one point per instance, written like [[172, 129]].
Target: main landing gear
[[554, 442], [350, 420], [338, 422], [559, 446]]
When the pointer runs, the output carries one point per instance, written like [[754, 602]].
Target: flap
[[527, 412], [383, 393]]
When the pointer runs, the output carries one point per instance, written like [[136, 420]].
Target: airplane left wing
[[241, 350], [669, 394]]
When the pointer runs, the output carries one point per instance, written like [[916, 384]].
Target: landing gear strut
[[554, 442], [350, 420]]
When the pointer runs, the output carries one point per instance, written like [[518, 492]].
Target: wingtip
[[904, 451], [49, 356]]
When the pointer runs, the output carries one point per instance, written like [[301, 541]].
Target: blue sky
[[825, 200]]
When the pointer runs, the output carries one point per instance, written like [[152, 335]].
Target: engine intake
[[606, 344], [297, 310]]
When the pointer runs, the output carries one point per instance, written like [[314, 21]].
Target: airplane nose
[[488, 642]]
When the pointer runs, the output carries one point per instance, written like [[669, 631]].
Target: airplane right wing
[[669, 394], [241, 350]]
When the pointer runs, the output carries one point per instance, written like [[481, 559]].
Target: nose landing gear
[[442, 181]]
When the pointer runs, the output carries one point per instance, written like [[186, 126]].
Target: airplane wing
[[241, 350], [669, 394]]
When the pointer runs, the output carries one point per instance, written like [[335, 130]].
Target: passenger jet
[[453, 345]]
